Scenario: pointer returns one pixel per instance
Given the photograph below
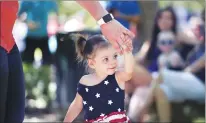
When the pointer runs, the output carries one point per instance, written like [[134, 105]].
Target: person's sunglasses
[[166, 42]]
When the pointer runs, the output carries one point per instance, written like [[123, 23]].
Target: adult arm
[[113, 30], [197, 65]]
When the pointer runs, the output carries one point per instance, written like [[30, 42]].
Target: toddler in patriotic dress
[[101, 93]]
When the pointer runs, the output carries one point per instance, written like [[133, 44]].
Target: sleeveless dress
[[103, 102]]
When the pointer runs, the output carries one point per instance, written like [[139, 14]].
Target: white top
[[173, 59]]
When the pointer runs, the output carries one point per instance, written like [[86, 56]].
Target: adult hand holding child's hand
[[117, 34], [126, 45]]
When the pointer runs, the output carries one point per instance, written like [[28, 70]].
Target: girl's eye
[[105, 60], [115, 56]]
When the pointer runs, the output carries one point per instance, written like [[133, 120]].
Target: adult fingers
[[129, 33]]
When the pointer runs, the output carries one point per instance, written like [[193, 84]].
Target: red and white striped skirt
[[114, 117]]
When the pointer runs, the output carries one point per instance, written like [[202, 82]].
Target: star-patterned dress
[[103, 102]]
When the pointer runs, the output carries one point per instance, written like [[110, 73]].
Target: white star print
[[117, 89], [97, 95], [102, 114], [86, 89], [84, 102], [91, 108], [110, 102], [119, 109], [106, 82]]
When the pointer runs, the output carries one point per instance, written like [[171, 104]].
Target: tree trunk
[[148, 11]]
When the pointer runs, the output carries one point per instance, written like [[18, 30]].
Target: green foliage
[[191, 5], [199, 120], [69, 8], [37, 82]]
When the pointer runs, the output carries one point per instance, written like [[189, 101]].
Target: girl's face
[[105, 61], [165, 21], [166, 46]]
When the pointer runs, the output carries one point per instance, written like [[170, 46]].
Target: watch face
[[107, 18]]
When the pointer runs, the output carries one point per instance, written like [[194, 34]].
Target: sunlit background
[[41, 79]]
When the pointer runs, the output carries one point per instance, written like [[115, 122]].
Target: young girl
[[101, 93]]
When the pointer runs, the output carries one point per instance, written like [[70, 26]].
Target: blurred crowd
[[173, 60], [176, 61]]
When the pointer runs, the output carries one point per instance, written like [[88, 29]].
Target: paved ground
[[42, 117]]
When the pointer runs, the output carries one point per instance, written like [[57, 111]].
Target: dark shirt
[[195, 55], [104, 98]]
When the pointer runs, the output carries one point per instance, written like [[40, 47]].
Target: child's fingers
[[120, 51], [124, 47], [127, 39], [128, 42], [129, 45], [129, 48], [122, 37]]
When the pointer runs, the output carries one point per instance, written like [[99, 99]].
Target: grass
[[199, 120]]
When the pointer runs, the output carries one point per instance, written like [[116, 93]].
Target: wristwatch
[[105, 19]]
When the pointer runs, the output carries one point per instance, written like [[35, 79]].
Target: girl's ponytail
[[80, 43]]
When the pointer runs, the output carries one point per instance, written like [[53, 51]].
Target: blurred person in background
[[186, 39], [165, 20], [37, 13], [177, 86], [128, 14], [65, 59]]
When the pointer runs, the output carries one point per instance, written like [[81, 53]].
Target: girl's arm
[[74, 109], [126, 74]]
